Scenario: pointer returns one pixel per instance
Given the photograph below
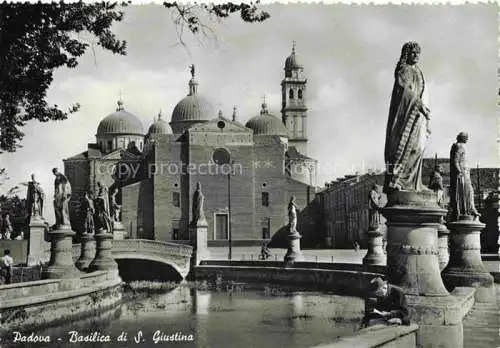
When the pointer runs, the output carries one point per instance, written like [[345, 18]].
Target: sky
[[349, 53]]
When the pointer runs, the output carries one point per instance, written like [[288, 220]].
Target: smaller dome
[[159, 126], [120, 122], [266, 124], [292, 62]]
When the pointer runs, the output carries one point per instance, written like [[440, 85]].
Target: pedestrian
[[387, 306], [6, 266]]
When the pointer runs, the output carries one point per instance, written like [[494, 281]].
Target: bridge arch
[[176, 256]]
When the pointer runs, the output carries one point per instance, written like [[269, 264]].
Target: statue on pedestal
[[436, 184], [292, 215], [461, 191], [62, 195], [198, 200], [374, 205], [34, 199], [408, 124], [102, 191], [88, 211], [102, 220], [115, 207]]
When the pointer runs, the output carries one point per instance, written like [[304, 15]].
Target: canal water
[[221, 315]]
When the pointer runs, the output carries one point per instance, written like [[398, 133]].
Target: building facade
[[345, 209], [247, 172]]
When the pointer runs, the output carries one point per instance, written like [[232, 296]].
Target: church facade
[[247, 172]]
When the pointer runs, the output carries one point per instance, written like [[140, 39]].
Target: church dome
[[292, 62], [266, 124], [159, 126], [191, 109], [120, 122]]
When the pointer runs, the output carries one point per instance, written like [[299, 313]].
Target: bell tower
[[293, 103]]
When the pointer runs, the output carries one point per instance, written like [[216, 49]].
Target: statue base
[[375, 254], [293, 253], [88, 251], [36, 241], [103, 260], [412, 242], [61, 254], [198, 236], [118, 230], [444, 254], [466, 267]]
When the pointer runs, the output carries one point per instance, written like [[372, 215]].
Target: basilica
[[248, 172]]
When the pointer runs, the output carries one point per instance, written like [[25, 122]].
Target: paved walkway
[[482, 324], [315, 255]]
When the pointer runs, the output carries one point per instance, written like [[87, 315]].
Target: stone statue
[[436, 184], [115, 207], [88, 211], [198, 200], [408, 124], [101, 217], [292, 214], [461, 191], [191, 68], [374, 205], [34, 198], [62, 195], [102, 191]]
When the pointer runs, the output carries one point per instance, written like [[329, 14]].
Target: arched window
[[299, 94], [290, 94]]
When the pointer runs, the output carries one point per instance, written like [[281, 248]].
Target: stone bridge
[[178, 256]]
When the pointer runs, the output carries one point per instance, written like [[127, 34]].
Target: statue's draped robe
[[88, 215], [62, 194], [373, 210], [406, 131], [461, 191], [35, 197], [292, 216], [197, 209]]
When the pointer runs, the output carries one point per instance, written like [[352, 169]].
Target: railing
[[146, 245]]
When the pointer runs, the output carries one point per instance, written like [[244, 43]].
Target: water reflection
[[219, 315]]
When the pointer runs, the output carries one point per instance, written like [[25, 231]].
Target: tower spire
[[120, 103], [159, 115], [193, 84], [293, 47], [234, 113]]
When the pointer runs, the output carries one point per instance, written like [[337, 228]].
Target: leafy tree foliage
[[36, 39]]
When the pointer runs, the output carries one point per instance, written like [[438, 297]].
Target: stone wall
[[43, 302], [379, 336], [341, 278]]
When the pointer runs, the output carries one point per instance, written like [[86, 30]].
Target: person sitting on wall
[[356, 246], [6, 264], [388, 306]]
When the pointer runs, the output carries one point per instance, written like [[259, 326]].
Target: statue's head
[[410, 53], [379, 286], [292, 199], [55, 171], [198, 185], [462, 137], [32, 177], [439, 169]]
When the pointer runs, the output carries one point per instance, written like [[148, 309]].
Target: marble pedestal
[[375, 254], [465, 267], [118, 230], [88, 251], [444, 254], [36, 241], [198, 235], [61, 254], [412, 242], [293, 253], [103, 260]]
